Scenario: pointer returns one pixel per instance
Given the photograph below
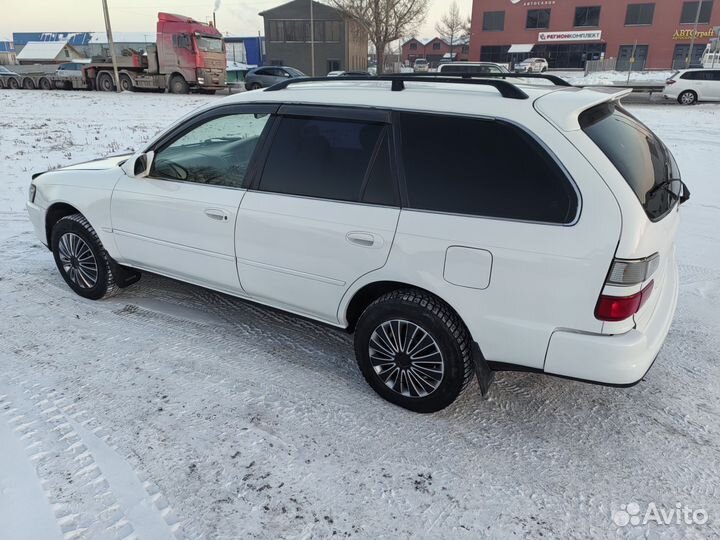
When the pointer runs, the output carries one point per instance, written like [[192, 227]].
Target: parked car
[[471, 68], [264, 77], [330, 202], [421, 66], [532, 65], [9, 79], [692, 85]]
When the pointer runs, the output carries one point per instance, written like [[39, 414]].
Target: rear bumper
[[619, 360]]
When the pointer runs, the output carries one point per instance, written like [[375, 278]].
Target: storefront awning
[[521, 48]]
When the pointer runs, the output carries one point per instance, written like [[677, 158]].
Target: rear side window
[[482, 168], [326, 158], [638, 154]]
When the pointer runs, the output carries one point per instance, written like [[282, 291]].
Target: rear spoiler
[[563, 107]]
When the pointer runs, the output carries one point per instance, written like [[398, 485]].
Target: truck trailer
[[188, 56]]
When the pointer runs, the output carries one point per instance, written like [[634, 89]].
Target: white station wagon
[[457, 227]]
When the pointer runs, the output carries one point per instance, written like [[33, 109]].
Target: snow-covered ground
[[171, 411], [610, 78]]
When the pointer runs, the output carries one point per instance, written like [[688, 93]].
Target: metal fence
[[607, 64]]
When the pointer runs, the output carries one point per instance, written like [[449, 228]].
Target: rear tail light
[[670, 81], [625, 272], [619, 308]]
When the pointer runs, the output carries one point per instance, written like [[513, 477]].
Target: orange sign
[[693, 34]]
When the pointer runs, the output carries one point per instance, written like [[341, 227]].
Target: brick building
[[569, 32], [435, 50]]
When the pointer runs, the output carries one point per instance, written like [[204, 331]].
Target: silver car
[[264, 77]]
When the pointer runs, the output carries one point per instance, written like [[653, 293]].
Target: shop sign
[[691, 33], [572, 35]]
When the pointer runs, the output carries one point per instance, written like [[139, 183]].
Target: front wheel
[[178, 85], [13, 84], [81, 259], [414, 350], [688, 97], [104, 82]]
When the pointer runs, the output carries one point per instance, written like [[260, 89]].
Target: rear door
[[324, 211], [713, 84]]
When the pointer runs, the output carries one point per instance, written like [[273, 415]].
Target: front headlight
[[31, 192]]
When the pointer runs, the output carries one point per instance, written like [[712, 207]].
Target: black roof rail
[[506, 88], [557, 81]]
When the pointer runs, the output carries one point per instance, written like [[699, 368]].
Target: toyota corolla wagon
[[457, 226]]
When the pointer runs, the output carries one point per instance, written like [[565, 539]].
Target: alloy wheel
[[78, 260], [406, 358]]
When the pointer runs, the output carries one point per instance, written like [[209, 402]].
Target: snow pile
[[621, 77]]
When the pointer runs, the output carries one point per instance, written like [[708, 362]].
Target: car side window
[[488, 168], [261, 72], [324, 158], [217, 152]]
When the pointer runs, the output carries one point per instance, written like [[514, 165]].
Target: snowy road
[[171, 411]]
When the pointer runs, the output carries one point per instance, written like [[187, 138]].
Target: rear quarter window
[[482, 168], [643, 160]]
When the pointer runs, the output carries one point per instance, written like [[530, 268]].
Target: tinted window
[[694, 76], [690, 12], [538, 18], [640, 14], [482, 168], [381, 183], [643, 160], [713, 75], [459, 68], [494, 21], [321, 158], [217, 152], [587, 16]]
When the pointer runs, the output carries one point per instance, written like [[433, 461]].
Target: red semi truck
[[188, 56]]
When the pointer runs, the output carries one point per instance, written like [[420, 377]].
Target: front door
[[323, 213], [627, 62], [180, 221]]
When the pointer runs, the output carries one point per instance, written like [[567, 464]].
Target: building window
[[494, 53], [690, 11], [538, 18], [465, 49], [436, 46], [639, 14], [413, 46], [494, 21], [332, 31], [333, 65], [587, 16], [276, 31]]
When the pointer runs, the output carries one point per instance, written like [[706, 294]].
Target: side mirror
[[143, 164]]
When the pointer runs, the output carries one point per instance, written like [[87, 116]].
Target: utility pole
[[108, 30], [688, 58], [312, 39]]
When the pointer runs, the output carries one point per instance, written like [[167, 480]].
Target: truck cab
[[190, 53]]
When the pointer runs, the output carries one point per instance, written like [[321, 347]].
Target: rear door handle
[[218, 215], [364, 239]]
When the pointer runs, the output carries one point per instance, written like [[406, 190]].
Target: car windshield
[[420, 62], [209, 44], [295, 72], [638, 154]]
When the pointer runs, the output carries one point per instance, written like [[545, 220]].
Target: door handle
[[218, 215], [364, 239]]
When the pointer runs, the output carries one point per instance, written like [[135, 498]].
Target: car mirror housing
[[143, 164]]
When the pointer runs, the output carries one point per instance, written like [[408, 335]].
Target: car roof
[[561, 105]]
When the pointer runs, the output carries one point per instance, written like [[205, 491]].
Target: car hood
[[98, 164]]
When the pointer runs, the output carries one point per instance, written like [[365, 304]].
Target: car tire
[[688, 97], [81, 258], [45, 84], [178, 85], [104, 82], [28, 84], [126, 84], [414, 350], [13, 83], [254, 86]]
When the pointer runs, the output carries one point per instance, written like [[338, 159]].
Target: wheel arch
[[368, 293], [55, 213], [26, 79]]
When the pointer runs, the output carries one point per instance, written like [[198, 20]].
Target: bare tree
[[452, 26], [384, 20]]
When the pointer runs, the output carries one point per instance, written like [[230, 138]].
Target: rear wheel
[[178, 85], [28, 84], [105, 82], [688, 97], [414, 350], [13, 84], [45, 84], [126, 84], [254, 86]]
